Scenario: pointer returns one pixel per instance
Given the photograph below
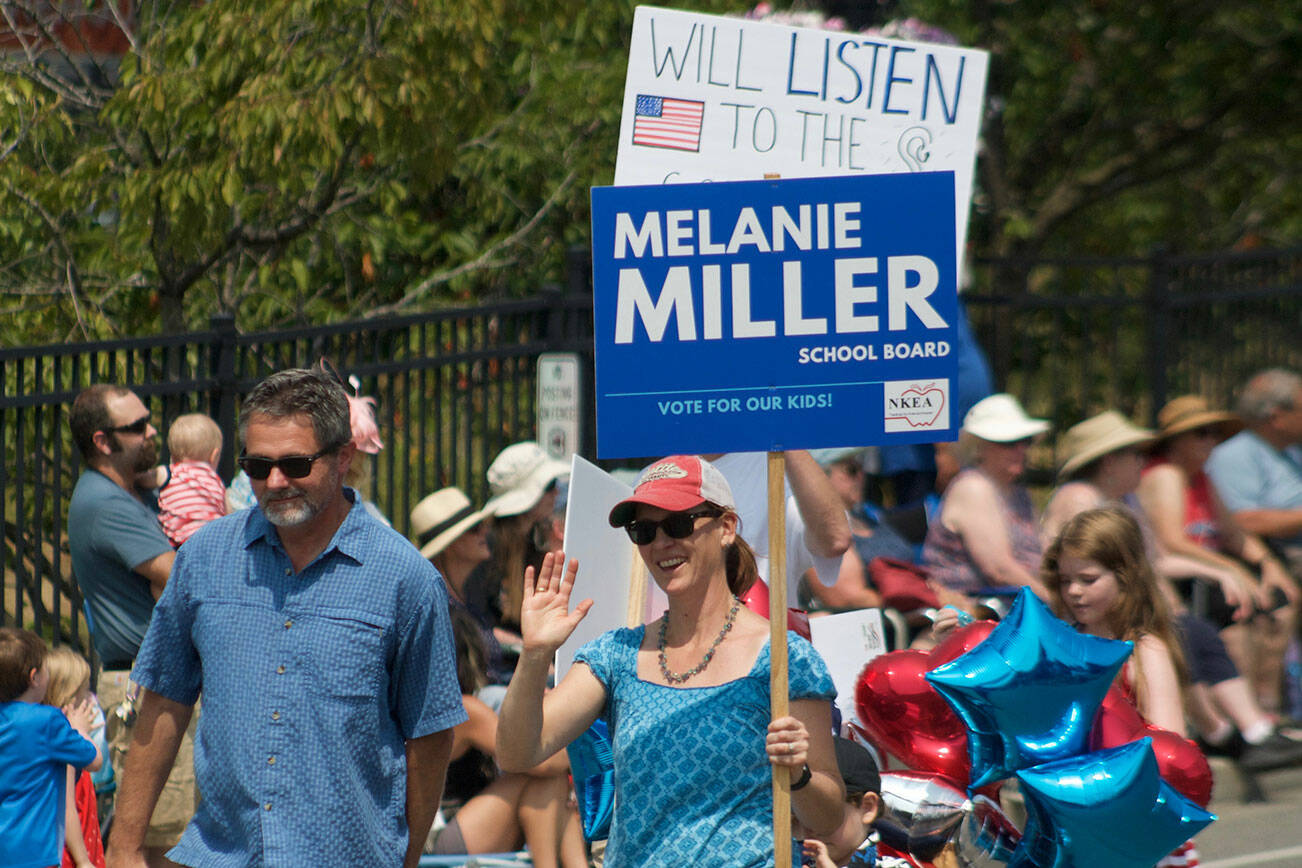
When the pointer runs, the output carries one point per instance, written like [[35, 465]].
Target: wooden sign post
[[778, 691]]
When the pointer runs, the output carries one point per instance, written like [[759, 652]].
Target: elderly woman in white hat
[[985, 533]]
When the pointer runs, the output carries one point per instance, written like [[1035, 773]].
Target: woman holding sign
[[687, 696]]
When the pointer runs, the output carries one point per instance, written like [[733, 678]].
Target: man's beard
[[290, 506], [147, 457]]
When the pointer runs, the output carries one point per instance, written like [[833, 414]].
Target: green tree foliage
[[315, 160], [1112, 127], [296, 161]]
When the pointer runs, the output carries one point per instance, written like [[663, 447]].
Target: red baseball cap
[[676, 483]]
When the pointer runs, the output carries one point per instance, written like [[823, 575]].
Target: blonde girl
[[69, 689]]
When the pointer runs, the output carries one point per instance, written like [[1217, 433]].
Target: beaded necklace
[[673, 677]]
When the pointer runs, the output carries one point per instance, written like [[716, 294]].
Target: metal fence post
[[1157, 328], [223, 399]]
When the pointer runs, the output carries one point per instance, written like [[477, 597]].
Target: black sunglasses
[[293, 466], [137, 427], [676, 525]]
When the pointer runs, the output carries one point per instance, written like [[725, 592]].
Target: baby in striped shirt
[[193, 493]]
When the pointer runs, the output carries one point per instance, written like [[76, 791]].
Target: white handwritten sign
[[846, 642], [708, 98]]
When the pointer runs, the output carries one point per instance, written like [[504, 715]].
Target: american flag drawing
[[662, 122]]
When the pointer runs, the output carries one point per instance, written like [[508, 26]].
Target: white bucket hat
[[519, 476], [441, 517], [1000, 419]]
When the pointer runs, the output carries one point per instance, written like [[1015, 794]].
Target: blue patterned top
[[692, 779], [312, 682]]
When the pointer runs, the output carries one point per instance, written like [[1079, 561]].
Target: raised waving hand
[[546, 620]]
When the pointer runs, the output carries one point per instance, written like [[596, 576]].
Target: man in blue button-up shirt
[[320, 641]]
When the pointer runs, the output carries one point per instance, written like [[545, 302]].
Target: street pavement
[[1267, 834]]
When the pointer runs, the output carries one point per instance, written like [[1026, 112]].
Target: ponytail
[[740, 566]]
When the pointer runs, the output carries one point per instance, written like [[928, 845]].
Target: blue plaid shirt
[[311, 685]]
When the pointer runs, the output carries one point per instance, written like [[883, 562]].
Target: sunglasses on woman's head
[[676, 525], [293, 466], [137, 427]]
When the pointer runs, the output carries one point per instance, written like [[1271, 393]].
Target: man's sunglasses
[[293, 466], [140, 426], [676, 525]]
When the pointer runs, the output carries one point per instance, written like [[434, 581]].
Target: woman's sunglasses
[[676, 525], [293, 466]]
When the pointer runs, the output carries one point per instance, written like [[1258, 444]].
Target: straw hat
[[1098, 436], [1000, 419], [519, 476], [441, 517], [1189, 412]]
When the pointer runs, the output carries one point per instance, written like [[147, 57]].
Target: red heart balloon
[[959, 642], [1179, 761], [756, 599], [906, 717]]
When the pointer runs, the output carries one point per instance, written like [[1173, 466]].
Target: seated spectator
[[523, 481], [453, 536], [1258, 471], [492, 811], [193, 494], [1189, 519], [985, 534], [870, 538], [1101, 467]]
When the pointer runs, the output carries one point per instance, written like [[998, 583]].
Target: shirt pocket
[[345, 654]]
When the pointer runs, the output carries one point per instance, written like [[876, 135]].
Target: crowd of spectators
[[1217, 497]]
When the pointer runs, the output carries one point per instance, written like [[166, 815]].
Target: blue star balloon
[[592, 766], [1106, 808], [1029, 691]]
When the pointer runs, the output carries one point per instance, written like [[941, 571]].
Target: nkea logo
[[910, 405]]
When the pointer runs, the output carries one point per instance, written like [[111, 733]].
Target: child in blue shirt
[[37, 743]]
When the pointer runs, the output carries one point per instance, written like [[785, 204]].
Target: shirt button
[[289, 571], [280, 670], [275, 715], [267, 806], [289, 624], [271, 760]]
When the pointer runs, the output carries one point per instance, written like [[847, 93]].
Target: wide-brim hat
[[441, 517], [1098, 436], [674, 484], [519, 476], [1190, 412], [1001, 419]]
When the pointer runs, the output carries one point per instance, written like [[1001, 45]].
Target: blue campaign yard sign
[[768, 315]]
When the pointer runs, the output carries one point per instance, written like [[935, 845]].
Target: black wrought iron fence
[[1070, 337], [1074, 336], [452, 388]]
